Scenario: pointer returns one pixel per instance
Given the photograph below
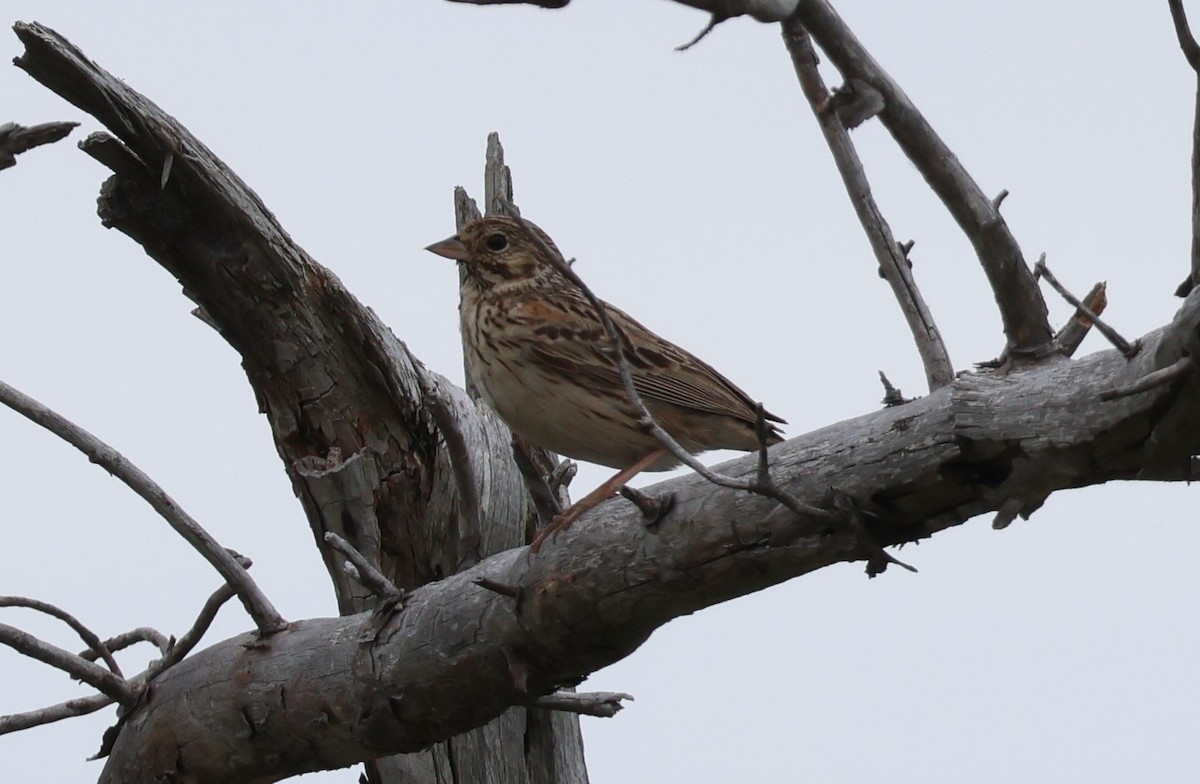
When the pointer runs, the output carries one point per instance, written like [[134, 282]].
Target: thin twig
[[892, 259], [90, 673], [604, 704], [266, 617], [615, 339], [184, 645], [64, 710], [1177, 369], [1022, 308], [368, 575], [713, 20], [133, 637], [89, 637], [504, 589], [1124, 346]]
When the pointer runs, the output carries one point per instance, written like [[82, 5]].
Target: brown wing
[[571, 339]]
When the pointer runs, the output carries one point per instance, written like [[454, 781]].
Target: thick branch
[[345, 399], [460, 653]]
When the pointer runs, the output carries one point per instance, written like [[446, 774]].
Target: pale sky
[[696, 193]]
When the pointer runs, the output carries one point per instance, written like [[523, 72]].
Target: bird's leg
[[602, 493]]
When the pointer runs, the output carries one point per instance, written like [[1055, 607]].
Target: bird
[[538, 354]]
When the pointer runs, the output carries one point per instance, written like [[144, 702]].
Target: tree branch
[[1022, 309], [108, 683], [1191, 52], [966, 449], [96, 646], [16, 139], [265, 616], [894, 265], [604, 704], [342, 395]]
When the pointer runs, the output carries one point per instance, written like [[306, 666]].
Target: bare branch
[[1179, 368], [1075, 330], [1022, 309], [542, 3], [604, 704], [367, 574], [713, 21], [90, 638], [132, 637], [265, 616], [761, 10], [64, 710], [891, 395], [188, 641], [893, 263], [90, 673], [1191, 52], [16, 139], [1187, 41], [1120, 343]]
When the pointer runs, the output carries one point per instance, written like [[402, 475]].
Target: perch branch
[[1022, 309], [893, 263], [265, 616]]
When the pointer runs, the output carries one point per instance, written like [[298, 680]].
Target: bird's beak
[[451, 247]]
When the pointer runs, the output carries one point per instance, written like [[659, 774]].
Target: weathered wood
[[453, 658]]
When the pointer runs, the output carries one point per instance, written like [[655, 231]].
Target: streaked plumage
[[539, 356]]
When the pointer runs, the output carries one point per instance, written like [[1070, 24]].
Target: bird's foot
[[561, 522]]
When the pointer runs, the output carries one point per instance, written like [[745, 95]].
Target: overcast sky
[[697, 194]]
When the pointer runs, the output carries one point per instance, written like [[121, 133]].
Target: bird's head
[[499, 250]]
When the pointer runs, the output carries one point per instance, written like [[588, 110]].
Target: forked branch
[[265, 616], [893, 262], [1022, 308]]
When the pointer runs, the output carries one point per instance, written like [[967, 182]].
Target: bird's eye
[[496, 241]]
